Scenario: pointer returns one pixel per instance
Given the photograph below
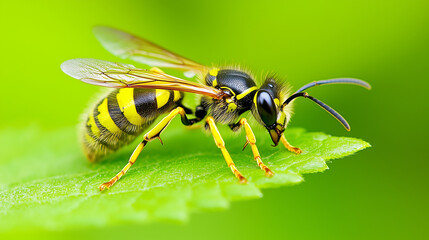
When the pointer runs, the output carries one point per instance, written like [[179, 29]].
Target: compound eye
[[266, 108]]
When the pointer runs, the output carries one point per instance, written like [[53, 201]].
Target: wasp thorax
[[239, 89]]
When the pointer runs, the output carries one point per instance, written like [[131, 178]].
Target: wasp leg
[[221, 144], [250, 139], [154, 133], [290, 147]]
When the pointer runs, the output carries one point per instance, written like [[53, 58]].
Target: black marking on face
[[271, 87]]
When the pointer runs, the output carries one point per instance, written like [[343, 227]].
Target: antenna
[[353, 81], [331, 111]]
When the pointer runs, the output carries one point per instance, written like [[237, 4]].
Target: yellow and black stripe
[[120, 117]]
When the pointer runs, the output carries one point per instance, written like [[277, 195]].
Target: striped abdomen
[[122, 116]]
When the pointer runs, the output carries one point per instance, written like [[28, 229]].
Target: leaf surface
[[45, 181]]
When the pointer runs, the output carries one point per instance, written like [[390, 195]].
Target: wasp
[[140, 96]]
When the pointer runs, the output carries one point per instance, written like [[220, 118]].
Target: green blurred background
[[378, 193]]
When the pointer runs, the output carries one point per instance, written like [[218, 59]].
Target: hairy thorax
[[241, 89]]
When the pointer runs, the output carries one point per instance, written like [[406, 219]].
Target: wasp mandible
[[142, 95]]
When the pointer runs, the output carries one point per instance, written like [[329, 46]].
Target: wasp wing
[[128, 46], [120, 75]]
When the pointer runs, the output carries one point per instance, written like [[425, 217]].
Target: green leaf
[[45, 181]]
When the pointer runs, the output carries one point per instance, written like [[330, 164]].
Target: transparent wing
[[127, 46], [120, 75]]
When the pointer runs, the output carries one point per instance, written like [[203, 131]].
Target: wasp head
[[267, 109]]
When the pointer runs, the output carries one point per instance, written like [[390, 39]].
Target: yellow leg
[[250, 137], [151, 135], [221, 144], [290, 147]]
